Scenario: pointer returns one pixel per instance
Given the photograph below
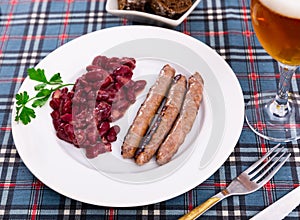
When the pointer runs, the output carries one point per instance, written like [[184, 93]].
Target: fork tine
[[253, 166], [270, 166], [274, 171], [256, 171]]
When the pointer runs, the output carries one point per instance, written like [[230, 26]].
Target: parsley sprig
[[44, 89]]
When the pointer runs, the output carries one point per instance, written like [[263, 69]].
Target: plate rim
[[239, 123]]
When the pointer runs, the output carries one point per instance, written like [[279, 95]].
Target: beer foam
[[288, 8]]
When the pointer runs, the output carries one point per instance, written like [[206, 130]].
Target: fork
[[253, 178]]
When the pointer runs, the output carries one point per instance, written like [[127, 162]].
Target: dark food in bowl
[[166, 8]]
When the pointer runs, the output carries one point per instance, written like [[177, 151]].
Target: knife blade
[[280, 208]]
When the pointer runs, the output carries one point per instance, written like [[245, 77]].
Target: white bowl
[[143, 17]]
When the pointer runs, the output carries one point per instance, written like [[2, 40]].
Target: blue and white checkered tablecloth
[[31, 29]]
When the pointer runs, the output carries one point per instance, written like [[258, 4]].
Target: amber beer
[[277, 26]]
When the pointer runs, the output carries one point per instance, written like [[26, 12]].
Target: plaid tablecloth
[[31, 29]]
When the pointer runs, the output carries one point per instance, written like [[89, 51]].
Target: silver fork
[[253, 178]]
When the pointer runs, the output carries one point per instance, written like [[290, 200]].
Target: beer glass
[[276, 24]]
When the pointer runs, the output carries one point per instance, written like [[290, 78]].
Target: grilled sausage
[[184, 122], [147, 111], [164, 122]]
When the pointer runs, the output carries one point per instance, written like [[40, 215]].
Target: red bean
[[56, 123], [123, 71], [87, 88], [102, 111], [92, 152], [92, 133], [111, 135], [64, 90], [66, 117], [102, 95], [129, 84], [128, 62], [81, 82], [55, 114], [62, 134], [69, 131], [103, 128], [116, 114], [106, 82], [92, 67], [91, 95], [139, 85], [78, 94], [55, 103], [95, 75], [70, 94], [130, 96], [104, 140], [80, 136], [116, 128], [96, 85], [67, 107], [122, 80], [122, 105], [100, 60], [63, 99], [99, 148], [120, 95], [118, 85], [82, 116], [111, 66]]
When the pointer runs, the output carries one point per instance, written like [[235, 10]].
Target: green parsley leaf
[[37, 75], [41, 97], [40, 102], [26, 115], [17, 118], [43, 93], [55, 79], [40, 86], [22, 98]]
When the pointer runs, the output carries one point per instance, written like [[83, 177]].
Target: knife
[[280, 208]]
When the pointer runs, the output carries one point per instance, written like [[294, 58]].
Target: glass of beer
[[276, 116]]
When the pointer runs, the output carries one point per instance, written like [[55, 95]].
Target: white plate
[[64, 169]]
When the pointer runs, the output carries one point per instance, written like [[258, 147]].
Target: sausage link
[[147, 111], [164, 122], [184, 122]]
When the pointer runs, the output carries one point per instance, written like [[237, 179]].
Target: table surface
[[31, 29]]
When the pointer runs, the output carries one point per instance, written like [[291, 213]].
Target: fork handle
[[200, 209]]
